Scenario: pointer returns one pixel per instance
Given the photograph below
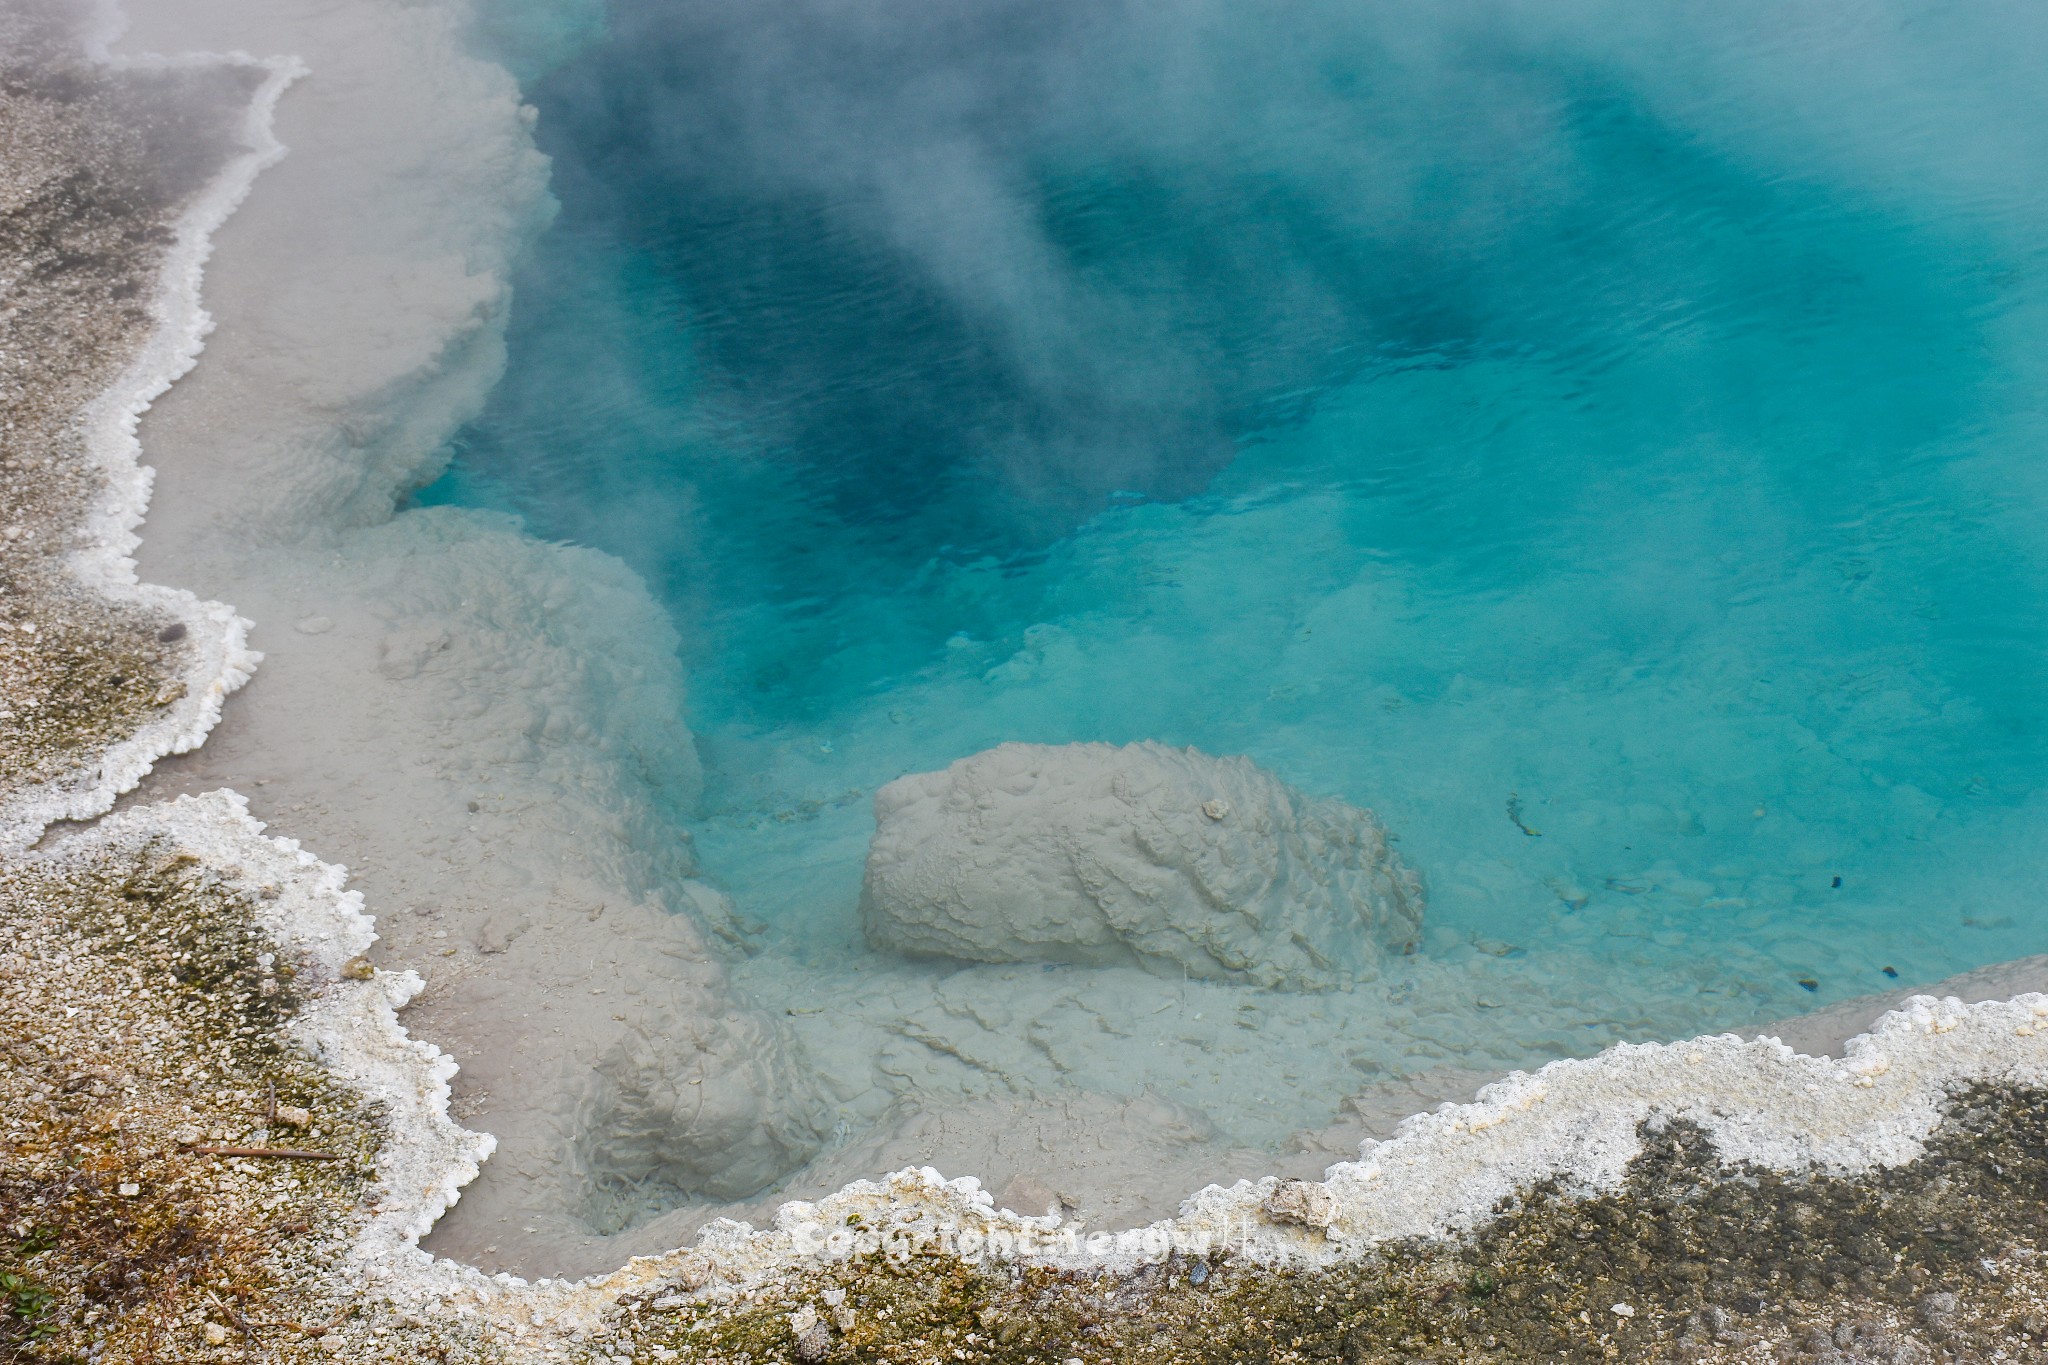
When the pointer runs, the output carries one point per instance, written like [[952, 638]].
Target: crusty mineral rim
[[219, 657], [1578, 1119]]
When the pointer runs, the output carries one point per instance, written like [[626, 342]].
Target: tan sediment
[[486, 730], [1737, 1199], [485, 727], [194, 980]]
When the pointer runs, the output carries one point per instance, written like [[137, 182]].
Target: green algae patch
[[147, 1088]]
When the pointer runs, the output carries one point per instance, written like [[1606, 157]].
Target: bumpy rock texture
[[1168, 858], [695, 1105]]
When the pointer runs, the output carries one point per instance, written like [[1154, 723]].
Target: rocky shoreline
[[109, 191], [220, 1144]]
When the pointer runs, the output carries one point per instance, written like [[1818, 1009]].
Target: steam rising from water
[[1630, 410], [950, 276]]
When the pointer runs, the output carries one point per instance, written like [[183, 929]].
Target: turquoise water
[[1631, 413]]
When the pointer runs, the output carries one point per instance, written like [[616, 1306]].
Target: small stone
[[1624, 1310], [1216, 810], [358, 968], [1937, 1304], [291, 1116], [814, 1344], [186, 1136], [215, 1334], [333, 1344], [1027, 1194], [128, 1189], [1303, 1203]]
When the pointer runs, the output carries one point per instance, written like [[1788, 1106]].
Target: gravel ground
[[95, 169], [181, 1179]]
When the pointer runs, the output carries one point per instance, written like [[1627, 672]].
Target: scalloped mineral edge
[[1441, 1172], [220, 657]]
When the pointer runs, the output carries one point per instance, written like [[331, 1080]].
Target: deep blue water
[[1636, 409]]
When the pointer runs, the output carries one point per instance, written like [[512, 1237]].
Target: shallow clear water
[[1629, 411]]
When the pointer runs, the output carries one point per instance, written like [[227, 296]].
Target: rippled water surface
[[1630, 412]]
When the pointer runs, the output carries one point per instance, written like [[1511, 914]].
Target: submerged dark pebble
[[173, 632]]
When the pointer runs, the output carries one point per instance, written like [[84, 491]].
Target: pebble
[[1937, 1305]]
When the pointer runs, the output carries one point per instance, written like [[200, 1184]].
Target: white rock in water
[[1169, 858], [695, 1101]]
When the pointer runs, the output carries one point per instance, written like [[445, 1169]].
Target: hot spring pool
[[1605, 440]]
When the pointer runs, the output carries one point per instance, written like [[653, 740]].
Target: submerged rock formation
[[694, 1104], [1169, 858]]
